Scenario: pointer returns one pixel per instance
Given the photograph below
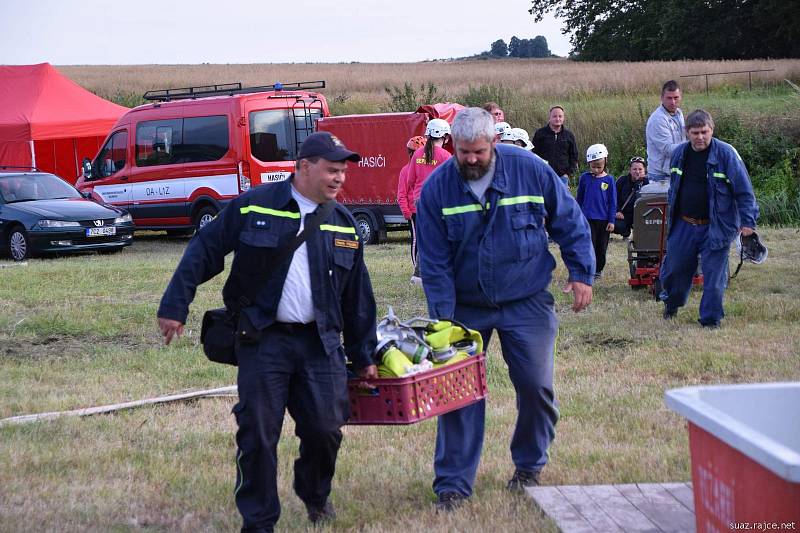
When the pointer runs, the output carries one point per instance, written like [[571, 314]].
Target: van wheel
[[203, 216], [367, 228], [18, 244]]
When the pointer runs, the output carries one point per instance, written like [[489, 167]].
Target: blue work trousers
[[527, 330], [288, 368], [684, 243]]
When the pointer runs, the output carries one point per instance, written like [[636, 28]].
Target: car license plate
[[100, 232]]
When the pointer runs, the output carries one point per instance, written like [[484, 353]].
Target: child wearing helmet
[[522, 140], [508, 137], [501, 128], [404, 195], [597, 196], [422, 164]]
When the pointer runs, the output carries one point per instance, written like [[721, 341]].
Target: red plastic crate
[[413, 398]]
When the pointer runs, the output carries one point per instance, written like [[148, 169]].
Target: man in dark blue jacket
[[293, 356], [711, 201], [485, 262]]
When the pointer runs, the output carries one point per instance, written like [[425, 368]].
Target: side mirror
[[86, 165]]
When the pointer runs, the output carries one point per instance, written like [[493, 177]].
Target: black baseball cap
[[323, 144]]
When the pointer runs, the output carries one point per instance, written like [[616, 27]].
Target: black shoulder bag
[[221, 327]]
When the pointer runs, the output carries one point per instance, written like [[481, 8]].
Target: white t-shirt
[[296, 304]]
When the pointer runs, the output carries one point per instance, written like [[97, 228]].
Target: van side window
[[204, 139], [156, 140], [112, 156], [190, 140], [272, 135]]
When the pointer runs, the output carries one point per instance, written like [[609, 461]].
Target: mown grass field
[[79, 332]]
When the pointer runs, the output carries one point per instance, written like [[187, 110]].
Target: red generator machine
[[647, 247]]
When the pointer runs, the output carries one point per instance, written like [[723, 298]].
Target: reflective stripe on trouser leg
[[715, 279], [287, 370], [680, 262], [259, 415]]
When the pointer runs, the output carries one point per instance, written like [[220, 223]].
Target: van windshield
[[275, 134]]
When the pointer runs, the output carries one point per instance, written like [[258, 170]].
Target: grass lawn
[[80, 332]]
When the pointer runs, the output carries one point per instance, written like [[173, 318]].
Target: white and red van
[[174, 163]]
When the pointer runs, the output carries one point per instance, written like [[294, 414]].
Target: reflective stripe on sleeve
[[721, 176], [267, 211], [447, 211], [677, 171], [521, 200], [341, 229]]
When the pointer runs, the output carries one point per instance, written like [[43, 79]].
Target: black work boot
[[449, 501], [522, 479], [319, 515], [669, 314]]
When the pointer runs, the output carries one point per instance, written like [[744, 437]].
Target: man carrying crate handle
[[485, 262]]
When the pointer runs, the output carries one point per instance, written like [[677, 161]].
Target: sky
[[109, 32]]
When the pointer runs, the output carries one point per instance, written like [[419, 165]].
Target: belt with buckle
[[295, 327], [695, 221]]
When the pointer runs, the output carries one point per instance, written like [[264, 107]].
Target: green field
[[80, 332]]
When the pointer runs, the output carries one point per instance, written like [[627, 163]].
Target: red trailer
[[370, 191]]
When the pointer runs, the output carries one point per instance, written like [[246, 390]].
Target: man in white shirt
[[665, 131]]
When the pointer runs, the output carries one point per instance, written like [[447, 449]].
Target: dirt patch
[[608, 341], [51, 347]]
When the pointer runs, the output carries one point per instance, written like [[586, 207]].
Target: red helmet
[[415, 142]]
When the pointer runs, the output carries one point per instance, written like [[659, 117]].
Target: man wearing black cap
[[292, 356]]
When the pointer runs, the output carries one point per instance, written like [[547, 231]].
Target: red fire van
[[174, 163]]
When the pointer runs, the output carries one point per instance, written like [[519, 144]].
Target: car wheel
[[18, 245], [367, 230], [203, 216]]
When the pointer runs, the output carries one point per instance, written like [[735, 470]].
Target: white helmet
[[595, 152], [523, 136], [751, 248], [501, 127], [508, 135], [437, 128]]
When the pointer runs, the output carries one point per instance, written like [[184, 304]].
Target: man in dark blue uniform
[[485, 262], [711, 201], [293, 356]]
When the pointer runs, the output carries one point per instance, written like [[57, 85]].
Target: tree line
[[516, 47], [643, 30]]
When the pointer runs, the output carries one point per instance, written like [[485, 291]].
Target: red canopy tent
[[48, 121]]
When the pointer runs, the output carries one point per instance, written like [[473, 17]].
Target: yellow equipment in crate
[[405, 348]]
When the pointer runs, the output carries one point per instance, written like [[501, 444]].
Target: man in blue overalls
[[711, 201], [292, 356], [485, 262]]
